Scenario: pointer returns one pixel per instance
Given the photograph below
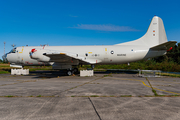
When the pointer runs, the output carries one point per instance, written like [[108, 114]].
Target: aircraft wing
[[164, 46], [66, 57]]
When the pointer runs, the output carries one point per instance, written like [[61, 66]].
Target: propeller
[[37, 54]]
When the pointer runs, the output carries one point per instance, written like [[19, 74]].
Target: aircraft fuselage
[[115, 54]]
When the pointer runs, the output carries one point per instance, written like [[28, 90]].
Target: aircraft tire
[[69, 73], [75, 70]]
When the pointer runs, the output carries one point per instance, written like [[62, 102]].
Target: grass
[[6, 69], [143, 65], [4, 72], [34, 68], [109, 75], [154, 91], [167, 95], [130, 96], [112, 96], [9, 96], [126, 95], [94, 96], [148, 96], [171, 75], [4, 65]]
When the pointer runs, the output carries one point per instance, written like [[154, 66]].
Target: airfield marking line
[[149, 86], [164, 82]]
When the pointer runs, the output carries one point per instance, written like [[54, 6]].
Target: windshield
[[13, 50]]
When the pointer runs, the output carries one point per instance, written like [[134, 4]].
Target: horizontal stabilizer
[[164, 46]]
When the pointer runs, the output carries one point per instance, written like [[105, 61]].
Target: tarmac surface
[[53, 96]]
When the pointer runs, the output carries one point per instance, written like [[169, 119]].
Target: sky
[[82, 22]]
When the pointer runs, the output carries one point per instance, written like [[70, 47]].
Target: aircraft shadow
[[55, 74]]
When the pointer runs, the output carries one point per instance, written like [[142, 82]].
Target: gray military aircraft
[[154, 43]]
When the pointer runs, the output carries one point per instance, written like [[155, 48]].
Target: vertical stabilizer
[[154, 36]]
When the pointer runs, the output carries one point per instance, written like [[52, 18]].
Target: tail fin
[[154, 36]]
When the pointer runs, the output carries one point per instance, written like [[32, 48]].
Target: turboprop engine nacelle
[[38, 55]]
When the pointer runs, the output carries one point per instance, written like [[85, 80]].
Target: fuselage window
[[13, 50]]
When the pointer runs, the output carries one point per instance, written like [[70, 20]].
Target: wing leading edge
[[65, 57]]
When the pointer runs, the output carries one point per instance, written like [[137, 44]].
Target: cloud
[[104, 27]]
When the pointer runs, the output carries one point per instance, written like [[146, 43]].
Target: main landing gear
[[72, 71], [75, 70]]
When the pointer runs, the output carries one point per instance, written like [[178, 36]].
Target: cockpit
[[5, 55], [11, 56], [13, 50]]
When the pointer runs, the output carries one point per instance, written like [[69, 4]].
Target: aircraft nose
[[4, 57]]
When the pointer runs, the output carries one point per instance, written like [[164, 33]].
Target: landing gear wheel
[[75, 70], [69, 73], [92, 66]]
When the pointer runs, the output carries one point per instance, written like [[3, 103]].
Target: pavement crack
[[17, 82], [154, 91], [83, 84], [77, 86], [95, 108], [149, 83], [32, 114], [10, 84]]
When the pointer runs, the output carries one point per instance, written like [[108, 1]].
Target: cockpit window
[[13, 50]]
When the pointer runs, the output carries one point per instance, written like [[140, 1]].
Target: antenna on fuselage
[[13, 45], [44, 45]]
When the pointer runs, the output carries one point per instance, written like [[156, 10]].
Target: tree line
[[172, 56]]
